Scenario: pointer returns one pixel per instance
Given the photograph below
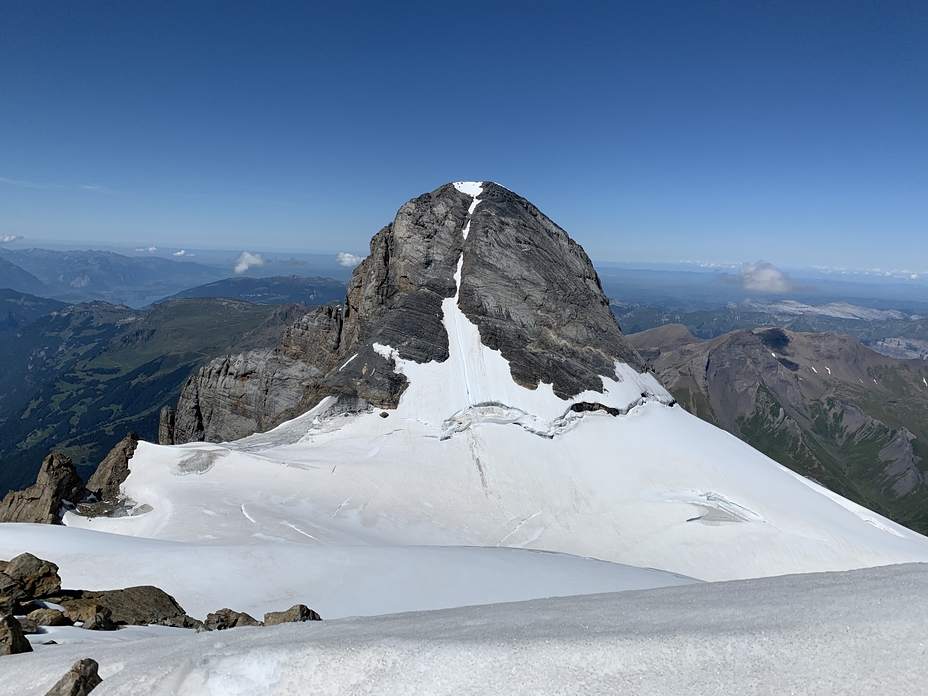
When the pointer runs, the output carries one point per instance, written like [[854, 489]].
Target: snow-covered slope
[[469, 457], [336, 581], [842, 633]]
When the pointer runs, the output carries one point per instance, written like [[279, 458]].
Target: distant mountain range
[[819, 403], [13, 277], [81, 276], [19, 309], [274, 290], [891, 332]]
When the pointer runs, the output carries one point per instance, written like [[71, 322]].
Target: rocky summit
[[531, 291]]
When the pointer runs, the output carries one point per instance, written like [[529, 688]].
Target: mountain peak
[[470, 279], [530, 291]]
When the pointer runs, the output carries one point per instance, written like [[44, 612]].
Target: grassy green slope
[[104, 370]]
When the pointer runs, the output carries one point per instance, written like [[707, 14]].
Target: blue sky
[[651, 131]]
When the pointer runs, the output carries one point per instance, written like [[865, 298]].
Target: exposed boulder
[[227, 618], [58, 482], [11, 593], [37, 578], [138, 606], [114, 469], [12, 640], [295, 614], [100, 622], [184, 621], [82, 609], [49, 617], [80, 680], [29, 626]]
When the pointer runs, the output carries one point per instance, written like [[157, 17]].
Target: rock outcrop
[[80, 680], [27, 578], [114, 469], [295, 614], [166, 422], [531, 291], [36, 577], [139, 606], [49, 617], [12, 594], [227, 618], [57, 483], [240, 394], [12, 639]]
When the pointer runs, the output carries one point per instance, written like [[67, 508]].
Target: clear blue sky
[[652, 131]]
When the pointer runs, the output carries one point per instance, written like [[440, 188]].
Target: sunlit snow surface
[[856, 632], [470, 458]]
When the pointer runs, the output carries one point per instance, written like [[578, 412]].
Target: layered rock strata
[[531, 291]]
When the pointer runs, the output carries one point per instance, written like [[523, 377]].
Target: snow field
[[336, 581], [832, 633], [610, 488]]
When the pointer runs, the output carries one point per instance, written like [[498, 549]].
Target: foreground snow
[[834, 633]]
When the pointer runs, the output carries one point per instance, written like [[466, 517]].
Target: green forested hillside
[[81, 377]]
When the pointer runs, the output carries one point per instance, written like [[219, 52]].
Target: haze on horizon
[[791, 132]]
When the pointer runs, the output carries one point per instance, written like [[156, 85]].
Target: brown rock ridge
[[58, 486], [57, 482], [820, 403]]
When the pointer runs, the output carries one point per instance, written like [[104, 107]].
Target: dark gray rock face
[[114, 469], [12, 593], [80, 680], [237, 395], [29, 626], [12, 640], [295, 614], [166, 425], [531, 291], [57, 482]]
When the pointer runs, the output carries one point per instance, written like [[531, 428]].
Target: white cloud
[[150, 250], [183, 253], [247, 260], [348, 260], [5, 238], [763, 277]]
